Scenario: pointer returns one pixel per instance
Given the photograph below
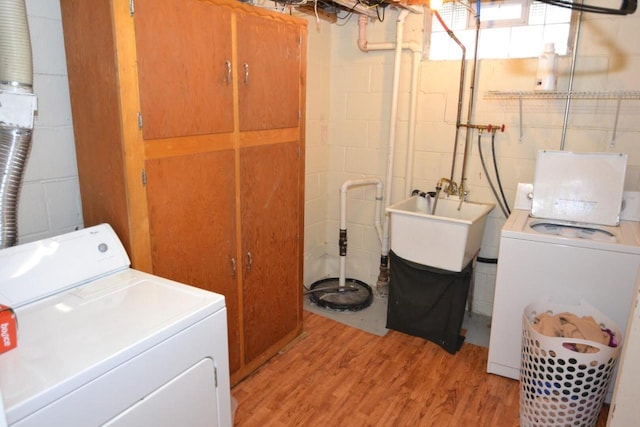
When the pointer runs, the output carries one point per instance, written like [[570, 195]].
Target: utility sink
[[448, 239]]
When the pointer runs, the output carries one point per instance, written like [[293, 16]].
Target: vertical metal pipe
[[472, 88], [570, 88], [463, 63], [460, 89]]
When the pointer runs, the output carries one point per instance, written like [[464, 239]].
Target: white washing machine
[[100, 343], [545, 253]]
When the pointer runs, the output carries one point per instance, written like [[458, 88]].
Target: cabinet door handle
[[249, 261], [246, 74], [229, 75], [233, 267]]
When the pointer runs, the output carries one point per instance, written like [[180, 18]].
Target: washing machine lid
[[581, 187]]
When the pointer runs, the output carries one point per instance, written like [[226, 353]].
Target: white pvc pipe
[[367, 46], [343, 214], [357, 183], [398, 46], [393, 124], [413, 115]]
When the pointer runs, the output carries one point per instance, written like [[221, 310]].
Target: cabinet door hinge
[[139, 120], [132, 7], [299, 37], [143, 177], [299, 151]]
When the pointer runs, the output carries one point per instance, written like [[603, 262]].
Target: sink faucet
[[451, 187]]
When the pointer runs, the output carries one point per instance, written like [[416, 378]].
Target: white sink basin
[[449, 239]]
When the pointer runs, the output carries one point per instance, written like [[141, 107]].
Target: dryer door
[[190, 399]]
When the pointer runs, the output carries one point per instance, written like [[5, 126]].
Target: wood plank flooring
[[335, 375]]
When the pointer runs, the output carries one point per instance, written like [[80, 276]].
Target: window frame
[[429, 18], [525, 4]]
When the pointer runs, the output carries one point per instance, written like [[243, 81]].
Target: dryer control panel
[[39, 269]]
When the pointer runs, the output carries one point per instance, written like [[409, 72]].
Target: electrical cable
[[381, 19], [350, 12]]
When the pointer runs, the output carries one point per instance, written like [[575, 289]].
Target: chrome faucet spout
[[451, 187]]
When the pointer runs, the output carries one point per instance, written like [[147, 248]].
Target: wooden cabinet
[[189, 126], [184, 67], [267, 77], [269, 207], [192, 225]]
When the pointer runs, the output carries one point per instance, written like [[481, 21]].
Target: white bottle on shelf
[[547, 74]]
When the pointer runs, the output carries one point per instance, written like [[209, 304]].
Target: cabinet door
[[270, 197], [268, 73], [191, 203], [184, 69]]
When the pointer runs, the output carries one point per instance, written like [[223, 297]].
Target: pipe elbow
[[344, 187], [362, 33], [403, 15]]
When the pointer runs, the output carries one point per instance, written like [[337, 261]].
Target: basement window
[[508, 29]]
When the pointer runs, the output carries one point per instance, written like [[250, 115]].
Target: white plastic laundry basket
[[558, 386]]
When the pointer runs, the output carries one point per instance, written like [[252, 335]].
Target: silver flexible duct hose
[[14, 149], [16, 76]]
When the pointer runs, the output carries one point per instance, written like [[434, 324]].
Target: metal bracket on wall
[[615, 125], [521, 137]]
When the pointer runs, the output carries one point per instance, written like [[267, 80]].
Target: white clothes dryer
[[100, 343]]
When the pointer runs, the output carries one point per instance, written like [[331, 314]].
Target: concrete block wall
[[49, 201], [359, 127], [347, 125]]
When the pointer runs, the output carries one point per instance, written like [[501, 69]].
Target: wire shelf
[[617, 95], [536, 94]]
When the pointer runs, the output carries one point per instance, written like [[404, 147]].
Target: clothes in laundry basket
[[568, 325]]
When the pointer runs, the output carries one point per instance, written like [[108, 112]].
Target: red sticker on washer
[[8, 329]]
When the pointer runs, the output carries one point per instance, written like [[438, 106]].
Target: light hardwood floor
[[335, 375]]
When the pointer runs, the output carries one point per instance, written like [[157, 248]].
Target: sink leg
[[471, 286]]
